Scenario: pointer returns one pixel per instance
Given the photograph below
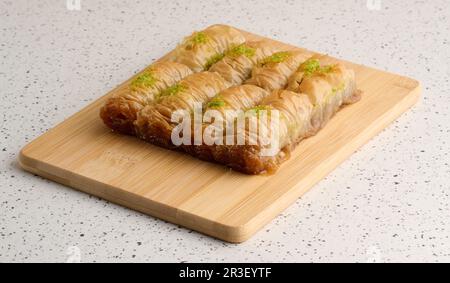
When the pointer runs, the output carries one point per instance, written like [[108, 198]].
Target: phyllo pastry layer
[[274, 71], [256, 156], [243, 104], [154, 121], [238, 62], [203, 49], [229, 104], [236, 98], [316, 93], [327, 86], [120, 110]]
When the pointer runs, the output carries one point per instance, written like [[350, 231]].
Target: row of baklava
[[218, 69]]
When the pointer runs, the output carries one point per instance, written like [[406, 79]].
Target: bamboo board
[[83, 154]]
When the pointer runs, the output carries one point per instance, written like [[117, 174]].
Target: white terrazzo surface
[[389, 202]]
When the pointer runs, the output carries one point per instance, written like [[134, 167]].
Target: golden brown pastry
[[252, 107], [238, 63], [320, 91], [273, 72], [236, 98], [327, 86], [227, 103], [203, 49], [256, 156], [154, 121], [120, 111]]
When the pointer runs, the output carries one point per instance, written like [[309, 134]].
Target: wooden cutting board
[[83, 154]]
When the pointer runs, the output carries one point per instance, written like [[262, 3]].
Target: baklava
[[243, 104]]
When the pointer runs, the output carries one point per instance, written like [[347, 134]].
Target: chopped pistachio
[[257, 109], [213, 60], [144, 80], [198, 38], [216, 103], [173, 90], [242, 50], [276, 58], [312, 67]]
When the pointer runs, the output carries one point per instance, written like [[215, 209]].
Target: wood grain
[[83, 154]]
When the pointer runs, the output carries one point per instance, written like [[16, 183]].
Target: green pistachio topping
[[341, 87], [216, 103], [312, 66], [173, 90], [277, 57], [144, 80], [213, 60], [242, 50], [198, 38], [257, 109]]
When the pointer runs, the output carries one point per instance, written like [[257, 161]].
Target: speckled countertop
[[389, 202]]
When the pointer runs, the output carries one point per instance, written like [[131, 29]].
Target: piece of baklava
[[203, 49], [327, 86], [316, 93], [239, 61], [120, 111], [228, 105], [155, 122], [262, 153], [274, 71]]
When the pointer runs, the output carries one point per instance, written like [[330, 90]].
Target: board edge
[[216, 229]]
